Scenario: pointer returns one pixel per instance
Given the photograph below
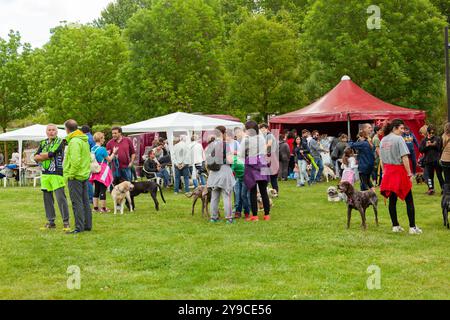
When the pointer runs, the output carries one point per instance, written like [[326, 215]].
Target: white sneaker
[[397, 229], [415, 230]]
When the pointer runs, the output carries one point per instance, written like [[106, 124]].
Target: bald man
[[50, 157]]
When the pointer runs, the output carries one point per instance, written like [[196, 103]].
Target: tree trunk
[[5, 145]]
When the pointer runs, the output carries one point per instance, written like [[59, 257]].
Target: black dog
[[359, 200], [445, 204], [143, 187]]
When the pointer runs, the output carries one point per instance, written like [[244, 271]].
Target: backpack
[[95, 166], [213, 165]]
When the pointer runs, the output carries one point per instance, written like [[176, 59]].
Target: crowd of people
[[238, 164]]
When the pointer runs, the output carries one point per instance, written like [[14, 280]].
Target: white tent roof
[[35, 132], [180, 121]]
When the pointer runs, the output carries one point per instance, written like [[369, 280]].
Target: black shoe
[[86, 229]]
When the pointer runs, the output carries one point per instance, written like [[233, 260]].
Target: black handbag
[[213, 165]]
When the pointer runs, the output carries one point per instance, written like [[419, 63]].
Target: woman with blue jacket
[[366, 159]]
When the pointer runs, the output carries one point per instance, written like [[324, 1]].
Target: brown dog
[[203, 193], [359, 200]]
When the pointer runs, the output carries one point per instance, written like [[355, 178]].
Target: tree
[[79, 75], [262, 65], [443, 6], [174, 59], [14, 82], [400, 62], [120, 11]]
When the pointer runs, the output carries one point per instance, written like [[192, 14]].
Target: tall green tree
[[175, 58], [262, 65], [80, 73], [400, 60], [118, 12], [14, 81], [15, 102]]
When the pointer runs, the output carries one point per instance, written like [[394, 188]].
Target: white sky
[[34, 18]]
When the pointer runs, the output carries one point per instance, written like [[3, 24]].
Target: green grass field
[[304, 252]]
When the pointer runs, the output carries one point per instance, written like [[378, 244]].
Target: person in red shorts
[[397, 176]]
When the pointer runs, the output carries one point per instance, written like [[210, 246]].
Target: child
[[349, 165], [241, 195]]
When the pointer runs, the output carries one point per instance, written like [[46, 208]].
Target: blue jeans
[[313, 177], [185, 173], [90, 192], [242, 197], [125, 173], [202, 177], [164, 175]]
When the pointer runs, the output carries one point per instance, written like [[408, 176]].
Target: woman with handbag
[[220, 178], [101, 175], [252, 152]]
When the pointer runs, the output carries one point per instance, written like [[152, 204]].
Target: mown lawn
[[304, 252]]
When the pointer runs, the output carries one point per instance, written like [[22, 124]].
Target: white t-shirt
[[351, 164], [198, 154]]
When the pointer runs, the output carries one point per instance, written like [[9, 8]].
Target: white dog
[[328, 172], [120, 194]]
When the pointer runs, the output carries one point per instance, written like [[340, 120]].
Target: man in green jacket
[[77, 169]]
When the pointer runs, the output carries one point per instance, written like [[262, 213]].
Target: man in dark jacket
[[285, 155], [153, 168], [431, 147]]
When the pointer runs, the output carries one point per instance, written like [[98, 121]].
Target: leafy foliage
[[262, 65], [401, 62], [120, 11], [79, 74], [175, 58], [15, 102]]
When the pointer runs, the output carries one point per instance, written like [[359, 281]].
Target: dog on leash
[[445, 204], [260, 202], [121, 193], [359, 200], [142, 187], [272, 193], [328, 172], [204, 194]]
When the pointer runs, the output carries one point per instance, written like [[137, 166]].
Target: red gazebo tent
[[223, 117], [343, 109]]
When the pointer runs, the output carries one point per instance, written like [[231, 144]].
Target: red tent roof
[[345, 99], [223, 117]]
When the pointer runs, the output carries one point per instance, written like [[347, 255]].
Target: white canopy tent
[[180, 122], [35, 132]]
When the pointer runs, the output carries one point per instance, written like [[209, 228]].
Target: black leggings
[[431, 168], [100, 190], [265, 197], [446, 170], [409, 209], [274, 181], [366, 182]]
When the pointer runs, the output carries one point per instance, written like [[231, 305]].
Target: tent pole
[[348, 127], [20, 162]]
